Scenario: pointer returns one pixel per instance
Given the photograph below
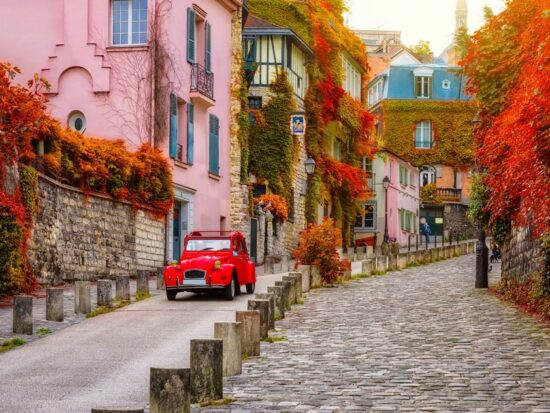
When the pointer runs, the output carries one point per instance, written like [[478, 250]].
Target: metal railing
[[202, 81], [371, 181], [449, 194]]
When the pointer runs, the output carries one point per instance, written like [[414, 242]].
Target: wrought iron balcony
[[449, 194], [202, 82]]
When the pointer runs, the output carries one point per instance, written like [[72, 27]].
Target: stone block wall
[[457, 222], [79, 237], [521, 255]]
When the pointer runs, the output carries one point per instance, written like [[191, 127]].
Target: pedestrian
[[426, 230]]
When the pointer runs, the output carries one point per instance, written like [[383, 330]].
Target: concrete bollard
[[104, 293], [271, 298], [286, 293], [380, 264], [143, 282], [316, 278], [118, 410], [169, 390], [411, 258], [82, 298], [298, 283], [206, 370], [123, 287], [230, 334], [306, 277], [292, 291], [263, 307], [250, 332], [160, 278], [284, 263], [347, 275], [269, 265], [277, 292], [393, 262], [402, 261], [54, 304], [22, 314], [367, 266]]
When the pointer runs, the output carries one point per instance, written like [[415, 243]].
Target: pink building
[[403, 201], [155, 71]]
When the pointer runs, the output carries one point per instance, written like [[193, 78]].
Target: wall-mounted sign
[[439, 220], [298, 124]]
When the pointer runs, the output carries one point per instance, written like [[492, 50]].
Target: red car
[[212, 261]]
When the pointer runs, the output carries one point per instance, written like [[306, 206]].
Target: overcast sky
[[431, 20]]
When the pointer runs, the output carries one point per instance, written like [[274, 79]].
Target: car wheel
[[250, 288], [229, 290], [171, 295]]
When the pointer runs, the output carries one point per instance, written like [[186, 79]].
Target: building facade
[[145, 71]]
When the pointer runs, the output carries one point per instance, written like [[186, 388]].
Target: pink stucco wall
[[69, 43]]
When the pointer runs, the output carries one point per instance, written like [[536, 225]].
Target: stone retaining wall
[[78, 237], [521, 255]]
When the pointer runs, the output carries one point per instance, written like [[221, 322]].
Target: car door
[[240, 260]]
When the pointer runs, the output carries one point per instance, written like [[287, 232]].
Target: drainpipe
[[153, 82]]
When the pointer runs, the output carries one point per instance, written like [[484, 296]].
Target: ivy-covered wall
[[452, 130]]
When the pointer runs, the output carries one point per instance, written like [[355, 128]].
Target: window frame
[[374, 211], [420, 84], [129, 32], [420, 143]]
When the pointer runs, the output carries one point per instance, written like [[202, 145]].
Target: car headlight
[[217, 264]]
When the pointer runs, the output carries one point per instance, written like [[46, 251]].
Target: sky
[[431, 20]]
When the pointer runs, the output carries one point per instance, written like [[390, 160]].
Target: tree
[[423, 50], [507, 67]]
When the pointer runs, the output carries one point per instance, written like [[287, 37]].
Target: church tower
[[461, 13]]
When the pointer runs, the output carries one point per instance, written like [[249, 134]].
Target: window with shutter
[[208, 47], [191, 35], [214, 146], [173, 126], [190, 132]]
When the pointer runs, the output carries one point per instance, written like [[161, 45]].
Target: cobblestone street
[[422, 339]]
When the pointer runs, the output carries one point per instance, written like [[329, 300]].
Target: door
[[434, 217], [254, 240], [177, 231]]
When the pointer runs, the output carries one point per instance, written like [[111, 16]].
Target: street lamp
[[310, 165], [482, 252], [386, 184]]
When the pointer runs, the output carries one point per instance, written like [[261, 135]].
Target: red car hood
[[201, 262]]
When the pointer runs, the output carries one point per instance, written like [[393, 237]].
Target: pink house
[[403, 200], [155, 71]]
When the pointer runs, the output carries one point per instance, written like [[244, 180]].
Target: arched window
[[427, 175], [423, 135]]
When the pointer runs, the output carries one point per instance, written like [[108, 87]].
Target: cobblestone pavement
[[422, 339], [41, 325]]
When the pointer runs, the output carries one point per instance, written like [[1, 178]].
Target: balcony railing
[[449, 194], [202, 81], [371, 182]]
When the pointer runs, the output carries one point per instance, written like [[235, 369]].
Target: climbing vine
[[452, 131]]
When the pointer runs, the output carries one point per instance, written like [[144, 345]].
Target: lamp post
[[310, 170], [386, 184], [482, 252]]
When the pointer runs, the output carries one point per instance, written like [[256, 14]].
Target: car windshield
[[208, 245]]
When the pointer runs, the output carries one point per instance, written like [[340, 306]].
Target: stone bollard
[[143, 282], [367, 266], [123, 287], [118, 410], [104, 293], [82, 299], [277, 292], [306, 277], [169, 390], [230, 334], [284, 263], [263, 307], [250, 332], [360, 256], [392, 262], [54, 304], [271, 298], [297, 284], [402, 261], [22, 314], [381, 264], [206, 370], [269, 265], [285, 285], [290, 294], [346, 276], [316, 280], [411, 258], [160, 278]]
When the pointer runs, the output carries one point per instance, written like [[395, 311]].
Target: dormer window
[[423, 82]]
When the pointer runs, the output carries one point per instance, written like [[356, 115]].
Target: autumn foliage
[[318, 247], [507, 65], [275, 204]]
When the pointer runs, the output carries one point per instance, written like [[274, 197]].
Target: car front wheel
[[229, 290], [250, 288], [171, 295]]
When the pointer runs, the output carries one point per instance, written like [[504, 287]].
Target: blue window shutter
[[190, 132], [191, 24], [214, 146], [173, 126], [208, 45]]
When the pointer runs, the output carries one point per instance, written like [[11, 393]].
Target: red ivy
[[344, 176]]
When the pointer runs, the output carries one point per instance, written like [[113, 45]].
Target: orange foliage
[[341, 175], [278, 204]]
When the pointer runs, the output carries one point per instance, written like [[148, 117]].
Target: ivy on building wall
[[452, 131], [271, 143]]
